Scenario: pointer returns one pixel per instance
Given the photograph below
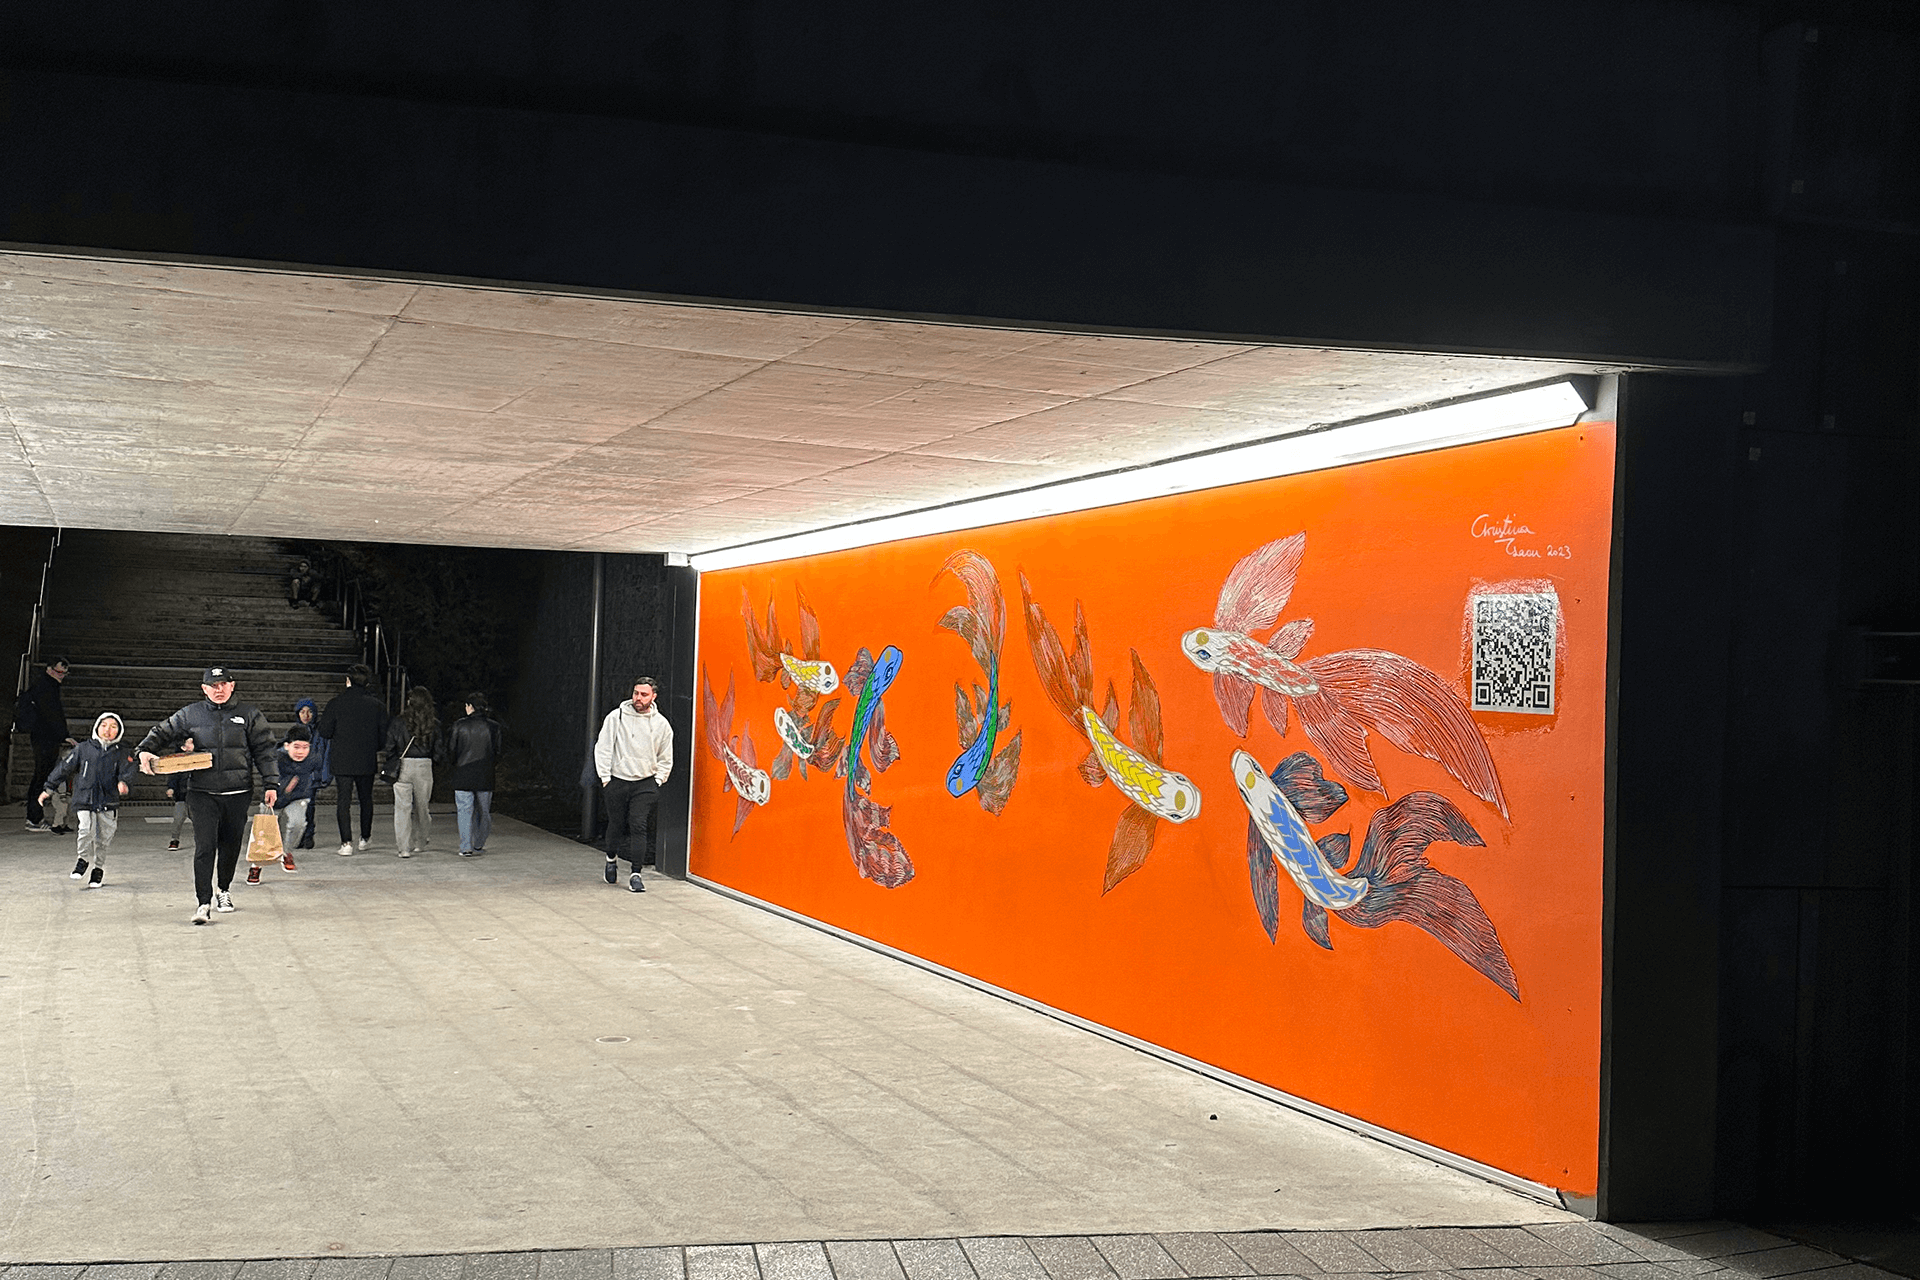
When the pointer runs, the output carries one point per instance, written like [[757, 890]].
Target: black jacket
[[355, 723], [97, 769], [403, 745], [236, 733], [49, 714], [473, 745]]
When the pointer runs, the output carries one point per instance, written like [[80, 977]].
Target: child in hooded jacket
[[307, 712], [293, 798], [101, 769]]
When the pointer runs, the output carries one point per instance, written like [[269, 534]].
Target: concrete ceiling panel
[[196, 398]]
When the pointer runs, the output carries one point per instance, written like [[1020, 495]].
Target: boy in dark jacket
[[299, 779], [307, 712], [100, 768]]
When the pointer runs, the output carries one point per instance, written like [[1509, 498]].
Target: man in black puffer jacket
[[217, 796], [354, 725]]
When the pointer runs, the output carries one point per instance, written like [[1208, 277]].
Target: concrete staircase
[[139, 616]]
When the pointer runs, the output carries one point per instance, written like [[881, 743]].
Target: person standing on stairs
[[412, 739], [42, 717], [354, 725], [307, 712], [217, 796]]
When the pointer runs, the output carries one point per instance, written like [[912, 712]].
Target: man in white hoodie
[[634, 757]]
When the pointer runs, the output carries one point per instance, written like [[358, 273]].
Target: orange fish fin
[[1090, 771], [1274, 705], [1132, 842], [1235, 696], [997, 779], [1049, 659], [1257, 588], [1290, 639], [1143, 714]]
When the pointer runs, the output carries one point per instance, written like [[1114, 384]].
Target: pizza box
[[184, 762]]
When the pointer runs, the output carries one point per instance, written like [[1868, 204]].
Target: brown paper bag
[[263, 841]]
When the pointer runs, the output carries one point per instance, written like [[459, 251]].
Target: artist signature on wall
[[1516, 538]]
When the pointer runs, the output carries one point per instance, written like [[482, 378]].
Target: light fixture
[[1489, 417]]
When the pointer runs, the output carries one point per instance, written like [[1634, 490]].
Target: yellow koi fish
[[814, 676]]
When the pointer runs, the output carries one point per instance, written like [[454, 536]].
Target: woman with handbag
[[410, 743]]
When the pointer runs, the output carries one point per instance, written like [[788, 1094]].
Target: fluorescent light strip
[[1540, 408]]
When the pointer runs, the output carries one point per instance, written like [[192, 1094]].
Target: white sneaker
[[364, 845], [346, 850], [406, 853], [222, 901], [204, 915]]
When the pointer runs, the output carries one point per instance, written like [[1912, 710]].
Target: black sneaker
[[222, 900], [79, 870], [613, 871], [633, 883], [62, 830], [99, 878], [173, 844]]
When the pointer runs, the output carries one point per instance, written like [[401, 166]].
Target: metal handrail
[[378, 648], [39, 616]]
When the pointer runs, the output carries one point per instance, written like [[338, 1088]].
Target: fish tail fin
[[996, 780], [988, 603], [1274, 706], [761, 650], [742, 807], [1415, 710], [1313, 919], [1405, 886], [713, 728], [1049, 658], [783, 764], [1234, 694], [809, 628], [1264, 877], [1332, 727], [1132, 842]]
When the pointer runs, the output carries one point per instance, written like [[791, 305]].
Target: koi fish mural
[[1157, 793], [1340, 697], [1392, 881], [804, 738], [981, 719], [744, 776], [877, 852]]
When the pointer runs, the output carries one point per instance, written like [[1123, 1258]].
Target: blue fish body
[[885, 668], [969, 764], [1285, 833]]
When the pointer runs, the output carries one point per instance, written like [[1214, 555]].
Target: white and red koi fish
[[877, 852], [1340, 696], [982, 623], [1391, 882], [803, 743], [1156, 792], [744, 776]]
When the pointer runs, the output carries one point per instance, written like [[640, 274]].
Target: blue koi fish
[[982, 623]]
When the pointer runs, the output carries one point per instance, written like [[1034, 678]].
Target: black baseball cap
[[217, 675]]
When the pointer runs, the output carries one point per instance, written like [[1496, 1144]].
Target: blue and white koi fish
[[877, 852], [982, 623]]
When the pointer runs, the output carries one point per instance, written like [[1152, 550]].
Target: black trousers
[[633, 811], [45, 753], [219, 828], [344, 785]]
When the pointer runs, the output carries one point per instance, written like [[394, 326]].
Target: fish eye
[[1202, 653]]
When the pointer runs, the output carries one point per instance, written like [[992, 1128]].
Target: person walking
[[634, 758], [472, 749], [411, 741], [101, 767], [218, 795], [307, 712], [299, 779], [42, 717], [354, 725]]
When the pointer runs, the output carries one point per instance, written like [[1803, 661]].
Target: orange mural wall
[[1438, 975]]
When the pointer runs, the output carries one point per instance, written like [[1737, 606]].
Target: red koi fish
[[1341, 697], [744, 776]]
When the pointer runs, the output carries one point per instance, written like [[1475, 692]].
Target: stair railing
[[378, 647], [39, 616]]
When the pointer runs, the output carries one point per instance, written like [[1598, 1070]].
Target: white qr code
[[1513, 638]]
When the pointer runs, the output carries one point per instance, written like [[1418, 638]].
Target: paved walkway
[[1558, 1251], [445, 1056]]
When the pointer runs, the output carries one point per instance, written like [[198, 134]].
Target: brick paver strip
[[1792, 1260], [1643, 1246], [722, 1262], [1521, 1245], [1002, 1258], [1727, 1241], [351, 1269], [1202, 1253], [200, 1271], [1398, 1251], [1458, 1247], [137, 1270], [649, 1264], [1858, 1271], [1070, 1258], [1272, 1253], [1327, 1250], [573, 1264], [38, 1271], [445, 1267], [1582, 1243], [500, 1266], [864, 1260], [933, 1260], [276, 1269], [1632, 1271], [1137, 1258], [1505, 1273], [804, 1261]]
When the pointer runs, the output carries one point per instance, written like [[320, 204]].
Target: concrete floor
[[437, 1056]]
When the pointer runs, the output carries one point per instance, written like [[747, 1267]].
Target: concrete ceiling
[[198, 399]]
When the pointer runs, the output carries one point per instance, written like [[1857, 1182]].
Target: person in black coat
[[472, 749], [354, 725], [46, 723]]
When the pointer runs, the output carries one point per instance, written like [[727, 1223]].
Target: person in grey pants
[[411, 739]]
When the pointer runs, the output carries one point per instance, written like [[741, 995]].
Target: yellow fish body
[[1161, 792], [813, 676]]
